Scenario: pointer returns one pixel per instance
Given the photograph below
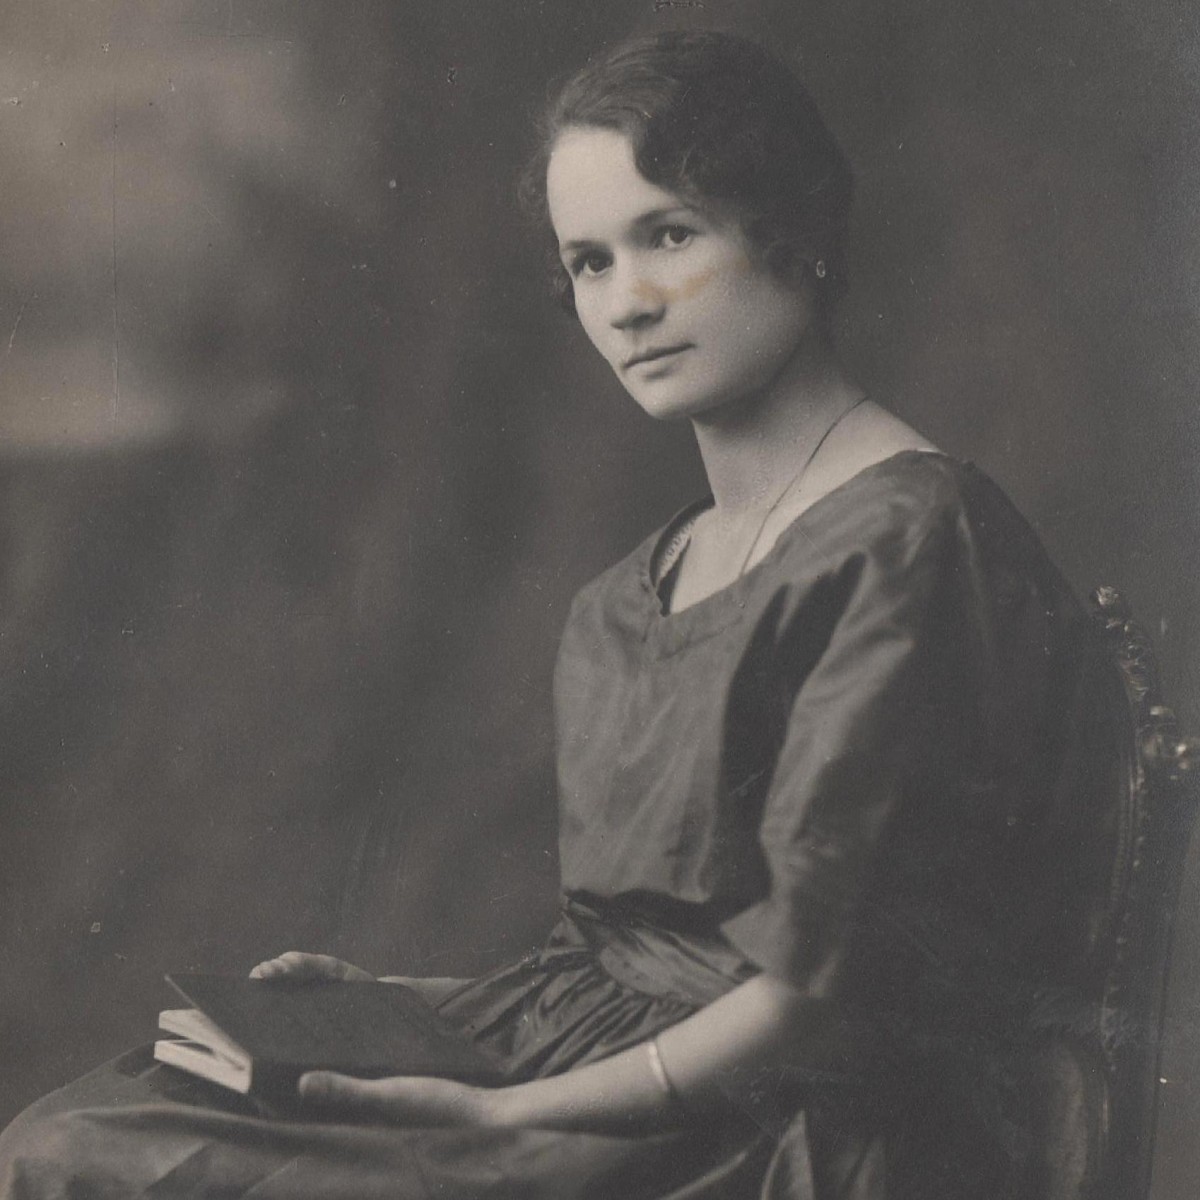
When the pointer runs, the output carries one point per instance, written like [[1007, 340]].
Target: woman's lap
[[136, 1127]]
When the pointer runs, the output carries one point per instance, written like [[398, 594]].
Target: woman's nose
[[637, 301]]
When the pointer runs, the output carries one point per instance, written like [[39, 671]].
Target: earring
[[819, 269]]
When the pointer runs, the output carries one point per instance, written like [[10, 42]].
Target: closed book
[[259, 1037]]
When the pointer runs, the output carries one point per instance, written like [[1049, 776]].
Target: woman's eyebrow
[[653, 216], [657, 215], [577, 244]]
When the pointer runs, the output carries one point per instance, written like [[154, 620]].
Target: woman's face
[[670, 295]]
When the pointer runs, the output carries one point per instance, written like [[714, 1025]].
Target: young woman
[[816, 747]]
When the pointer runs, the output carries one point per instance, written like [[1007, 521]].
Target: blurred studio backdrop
[[300, 466]]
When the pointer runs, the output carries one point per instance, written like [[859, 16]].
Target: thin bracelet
[[660, 1073]]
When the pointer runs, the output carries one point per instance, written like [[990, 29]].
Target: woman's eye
[[590, 262], [674, 236]]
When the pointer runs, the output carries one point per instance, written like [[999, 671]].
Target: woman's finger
[[268, 969], [283, 964], [404, 1099], [296, 964], [340, 1091], [357, 1097]]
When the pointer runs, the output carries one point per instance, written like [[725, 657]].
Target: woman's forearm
[[715, 1060]]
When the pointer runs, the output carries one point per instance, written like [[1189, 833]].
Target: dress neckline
[[724, 606]]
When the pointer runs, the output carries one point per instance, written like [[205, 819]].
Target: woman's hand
[[403, 1099], [296, 966]]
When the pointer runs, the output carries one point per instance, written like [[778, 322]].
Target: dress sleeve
[[879, 722]]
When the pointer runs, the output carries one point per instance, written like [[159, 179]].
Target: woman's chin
[[675, 405]]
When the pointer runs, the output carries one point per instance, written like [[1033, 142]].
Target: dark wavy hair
[[724, 124]]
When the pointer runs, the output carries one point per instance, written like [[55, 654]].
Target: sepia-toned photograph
[[599, 601]]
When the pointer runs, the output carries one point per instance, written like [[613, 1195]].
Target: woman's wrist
[[557, 1102], [629, 1090], [662, 1077], [505, 1107]]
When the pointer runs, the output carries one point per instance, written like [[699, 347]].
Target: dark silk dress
[[861, 768]]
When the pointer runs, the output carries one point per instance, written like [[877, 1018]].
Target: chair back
[[1098, 1076]]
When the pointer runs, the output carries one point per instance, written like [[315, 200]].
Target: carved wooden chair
[[1098, 1074]]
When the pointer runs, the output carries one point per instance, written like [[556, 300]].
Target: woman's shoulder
[[907, 495], [879, 478], [919, 510], [944, 515], [931, 491]]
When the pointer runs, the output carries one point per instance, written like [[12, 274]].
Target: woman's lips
[[655, 355]]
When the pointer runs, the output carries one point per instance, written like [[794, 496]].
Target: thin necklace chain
[[794, 481]]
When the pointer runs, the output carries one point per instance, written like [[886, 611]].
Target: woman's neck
[[753, 449]]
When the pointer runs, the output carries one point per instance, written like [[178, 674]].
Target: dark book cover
[[364, 1029]]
